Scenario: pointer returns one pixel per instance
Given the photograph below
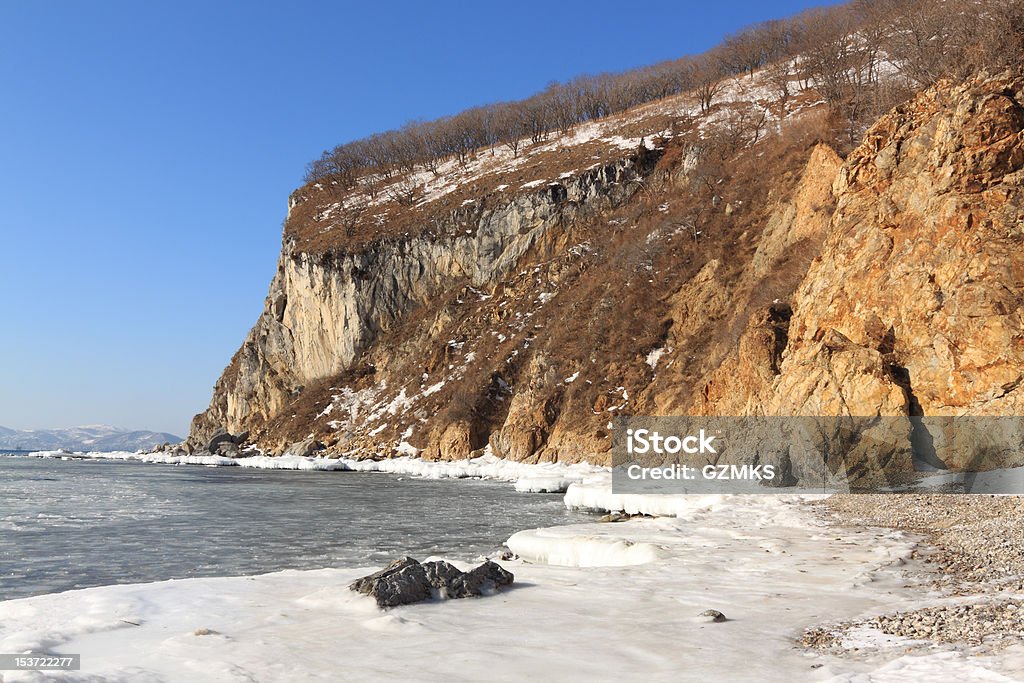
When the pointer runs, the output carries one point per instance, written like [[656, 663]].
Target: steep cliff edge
[[326, 307], [775, 279]]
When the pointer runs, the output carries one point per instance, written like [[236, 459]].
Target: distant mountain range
[[85, 438]]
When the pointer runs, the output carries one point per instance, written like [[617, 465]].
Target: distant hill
[[85, 438]]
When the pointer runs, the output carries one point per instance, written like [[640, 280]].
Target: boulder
[[227, 449], [305, 448], [487, 578], [402, 582], [220, 436], [405, 581], [441, 574]]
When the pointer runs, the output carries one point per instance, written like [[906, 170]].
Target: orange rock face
[[921, 273]]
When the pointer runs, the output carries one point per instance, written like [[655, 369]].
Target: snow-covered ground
[[616, 601]]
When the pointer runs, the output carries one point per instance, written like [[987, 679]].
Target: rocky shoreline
[[973, 546]]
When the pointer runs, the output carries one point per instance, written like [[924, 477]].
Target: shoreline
[[823, 575], [528, 477], [653, 578]]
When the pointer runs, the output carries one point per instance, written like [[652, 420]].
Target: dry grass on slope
[[592, 300]]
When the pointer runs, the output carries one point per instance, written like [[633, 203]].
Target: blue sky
[[148, 148]]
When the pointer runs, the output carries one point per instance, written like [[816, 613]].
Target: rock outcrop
[[913, 304]]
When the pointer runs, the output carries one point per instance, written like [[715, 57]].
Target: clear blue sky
[[147, 150]]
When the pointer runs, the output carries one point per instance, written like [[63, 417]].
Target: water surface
[[68, 524]]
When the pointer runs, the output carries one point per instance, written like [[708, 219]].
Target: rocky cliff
[[778, 279], [326, 307]]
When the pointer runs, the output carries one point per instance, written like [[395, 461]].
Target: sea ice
[[766, 562]]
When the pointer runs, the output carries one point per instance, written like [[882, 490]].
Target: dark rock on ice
[[714, 615], [406, 581], [402, 582], [441, 574], [486, 578]]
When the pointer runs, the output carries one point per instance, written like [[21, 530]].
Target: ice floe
[[572, 546]]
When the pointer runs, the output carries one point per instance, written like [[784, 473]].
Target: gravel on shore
[[975, 546]]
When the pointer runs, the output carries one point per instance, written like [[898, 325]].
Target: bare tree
[[512, 122], [707, 81], [743, 52], [778, 74], [837, 50], [405, 192]]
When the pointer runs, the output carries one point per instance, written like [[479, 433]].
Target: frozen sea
[[67, 524]]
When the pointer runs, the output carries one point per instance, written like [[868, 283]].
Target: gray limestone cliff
[[324, 309]]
